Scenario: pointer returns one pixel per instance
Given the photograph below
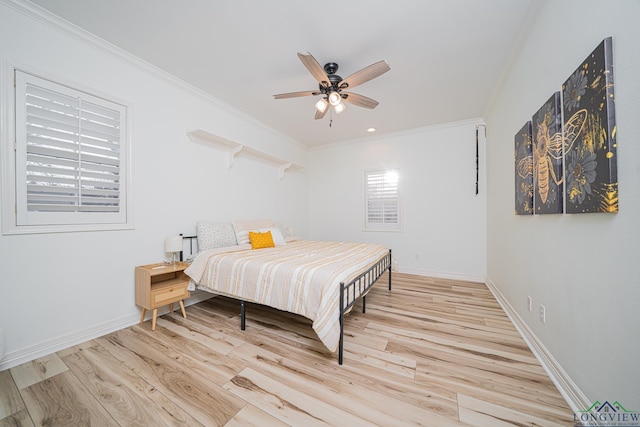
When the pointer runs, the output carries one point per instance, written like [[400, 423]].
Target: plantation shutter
[[69, 148], [382, 200]]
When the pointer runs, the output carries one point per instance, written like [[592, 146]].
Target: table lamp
[[172, 245]]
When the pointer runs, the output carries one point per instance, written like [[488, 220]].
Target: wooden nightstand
[[161, 284]]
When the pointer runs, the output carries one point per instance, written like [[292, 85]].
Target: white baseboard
[[575, 398], [441, 274], [18, 357], [1, 344]]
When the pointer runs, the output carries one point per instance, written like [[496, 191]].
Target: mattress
[[301, 277]]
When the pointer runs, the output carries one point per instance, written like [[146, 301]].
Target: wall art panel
[[546, 127], [590, 135], [524, 170]]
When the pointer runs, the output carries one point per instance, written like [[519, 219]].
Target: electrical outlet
[[530, 303], [543, 314]]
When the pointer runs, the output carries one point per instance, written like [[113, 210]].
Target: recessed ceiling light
[[371, 130]]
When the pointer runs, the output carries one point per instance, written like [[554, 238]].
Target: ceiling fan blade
[[366, 74], [320, 115], [359, 100], [314, 68], [296, 94]]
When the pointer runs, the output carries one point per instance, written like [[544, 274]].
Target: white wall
[[583, 268], [444, 222], [58, 289]]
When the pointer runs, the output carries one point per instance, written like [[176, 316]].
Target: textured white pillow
[[242, 228], [215, 235], [286, 231]]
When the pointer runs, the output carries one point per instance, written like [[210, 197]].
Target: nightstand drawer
[[167, 294]]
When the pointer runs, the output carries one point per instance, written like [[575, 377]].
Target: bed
[[318, 280]]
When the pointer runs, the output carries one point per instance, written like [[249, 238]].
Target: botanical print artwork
[[524, 170], [547, 144], [590, 130]]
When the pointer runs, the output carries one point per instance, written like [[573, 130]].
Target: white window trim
[[8, 154], [367, 226]]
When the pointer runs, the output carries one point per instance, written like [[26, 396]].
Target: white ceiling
[[446, 56]]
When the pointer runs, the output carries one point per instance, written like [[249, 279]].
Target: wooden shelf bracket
[[231, 154]]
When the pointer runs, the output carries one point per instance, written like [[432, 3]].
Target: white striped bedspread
[[301, 277]]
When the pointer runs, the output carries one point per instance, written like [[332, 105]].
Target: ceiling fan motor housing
[[330, 68]]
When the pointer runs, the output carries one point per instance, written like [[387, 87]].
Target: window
[[71, 157], [382, 200]]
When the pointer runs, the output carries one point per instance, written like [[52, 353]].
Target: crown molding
[[79, 34], [474, 121]]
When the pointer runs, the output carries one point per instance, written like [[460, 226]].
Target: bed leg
[[364, 304], [341, 342], [242, 316]]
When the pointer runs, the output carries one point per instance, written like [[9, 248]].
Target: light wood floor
[[430, 352]]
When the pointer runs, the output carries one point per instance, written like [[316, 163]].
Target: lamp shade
[[334, 98], [339, 108], [173, 244], [322, 105]]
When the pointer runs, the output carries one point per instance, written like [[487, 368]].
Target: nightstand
[[161, 284]]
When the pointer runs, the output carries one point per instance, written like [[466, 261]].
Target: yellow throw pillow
[[261, 240]]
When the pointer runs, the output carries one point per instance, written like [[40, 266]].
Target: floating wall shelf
[[234, 148]]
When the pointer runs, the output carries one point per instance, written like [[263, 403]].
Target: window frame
[[382, 226], [14, 192]]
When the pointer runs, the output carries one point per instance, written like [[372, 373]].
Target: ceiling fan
[[332, 87]]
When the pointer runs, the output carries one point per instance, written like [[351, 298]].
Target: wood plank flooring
[[430, 352]]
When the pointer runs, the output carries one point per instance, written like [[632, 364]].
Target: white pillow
[[286, 231], [276, 234], [242, 228]]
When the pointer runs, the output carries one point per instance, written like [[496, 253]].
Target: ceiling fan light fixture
[[335, 98], [331, 85], [322, 105]]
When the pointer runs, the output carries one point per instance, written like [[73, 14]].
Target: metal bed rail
[[350, 292], [358, 288]]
